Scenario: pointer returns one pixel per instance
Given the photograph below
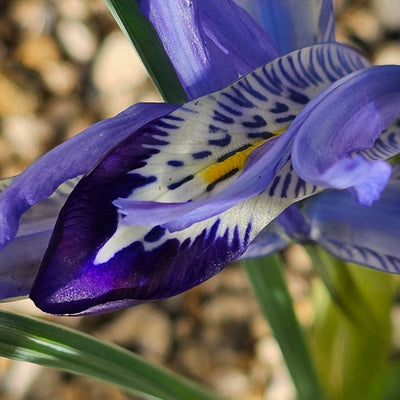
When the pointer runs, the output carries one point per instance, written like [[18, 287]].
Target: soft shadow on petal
[[293, 24], [343, 120], [271, 239], [20, 259], [366, 235], [68, 160], [244, 43]]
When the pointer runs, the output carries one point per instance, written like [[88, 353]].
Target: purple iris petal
[[243, 41], [68, 160], [293, 24], [204, 55], [293, 223], [341, 121], [87, 270], [357, 233]]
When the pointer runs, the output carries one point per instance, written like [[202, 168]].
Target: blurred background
[[64, 65]]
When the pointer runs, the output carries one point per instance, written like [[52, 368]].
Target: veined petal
[[347, 118], [20, 259], [366, 235], [68, 160], [387, 145], [294, 24], [244, 115]]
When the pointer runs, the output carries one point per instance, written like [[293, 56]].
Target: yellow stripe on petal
[[235, 162], [229, 164]]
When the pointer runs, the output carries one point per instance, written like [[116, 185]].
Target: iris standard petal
[[343, 120], [196, 59], [68, 160], [293, 24], [190, 155], [244, 43], [366, 235]]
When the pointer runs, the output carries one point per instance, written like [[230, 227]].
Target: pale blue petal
[[367, 235], [244, 43], [294, 24]]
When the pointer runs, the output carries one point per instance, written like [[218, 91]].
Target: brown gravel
[[64, 65]]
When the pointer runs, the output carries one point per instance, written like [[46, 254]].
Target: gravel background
[[64, 65]]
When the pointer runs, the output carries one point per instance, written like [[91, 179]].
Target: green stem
[[341, 286], [149, 47], [269, 286]]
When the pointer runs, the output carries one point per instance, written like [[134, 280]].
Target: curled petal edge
[[342, 121]]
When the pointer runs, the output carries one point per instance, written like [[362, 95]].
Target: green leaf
[[43, 343], [148, 45], [351, 335], [269, 286]]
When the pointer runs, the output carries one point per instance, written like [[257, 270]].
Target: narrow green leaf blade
[[269, 286], [143, 36], [43, 343], [351, 334]]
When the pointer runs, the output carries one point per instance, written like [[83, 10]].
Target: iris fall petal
[[97, 264]]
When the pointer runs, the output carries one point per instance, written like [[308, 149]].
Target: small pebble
[[29, 146], [77, 40], [231, 383], [143, 327], [15, 99], [60, 77], [37, 51], [388, 54], [388, 13], [117, 68]]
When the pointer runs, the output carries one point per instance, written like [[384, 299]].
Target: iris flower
[[285, 137]]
